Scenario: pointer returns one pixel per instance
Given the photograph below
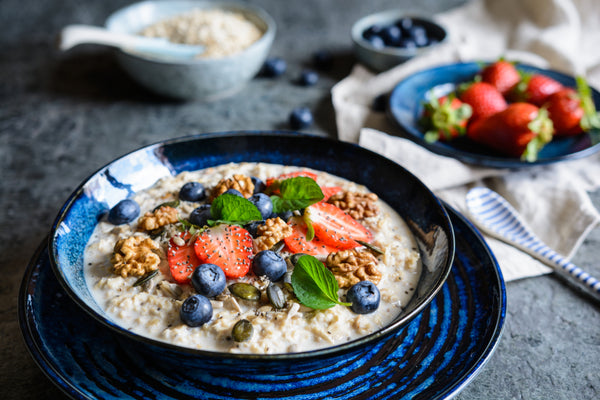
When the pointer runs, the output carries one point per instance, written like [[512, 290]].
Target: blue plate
[[409, 96], [433, 357]]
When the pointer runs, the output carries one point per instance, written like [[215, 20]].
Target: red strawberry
[[573, 112], [329, 191], [445, 118], [182, 259], [336, 228], [520, 130], [296, 242], [228, 246], [535, 89], [502, 75], [484, 99]]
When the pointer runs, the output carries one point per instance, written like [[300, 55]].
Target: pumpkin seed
[[245, 291], [145, 278], [242, 331], [173, 204], [369, 246], [294, 258], [276, 296], [277, 246]]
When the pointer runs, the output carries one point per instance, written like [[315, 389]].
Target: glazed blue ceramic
[[409, 96], [200, 78], [140, 169], [433, 357]]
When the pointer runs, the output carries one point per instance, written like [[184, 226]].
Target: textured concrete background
[[62, 116]]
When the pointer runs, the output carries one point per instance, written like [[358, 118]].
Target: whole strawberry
[[445, 118], [502, 75], [535, 89], [484, 99], [520, 130], [573, 111]]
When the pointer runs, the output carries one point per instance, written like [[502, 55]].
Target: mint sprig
[[295, 194], [231, 209], [314, 285]]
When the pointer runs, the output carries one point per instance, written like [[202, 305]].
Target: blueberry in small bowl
[[386, 39]]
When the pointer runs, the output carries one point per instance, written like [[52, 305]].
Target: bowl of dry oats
[[235, 36]]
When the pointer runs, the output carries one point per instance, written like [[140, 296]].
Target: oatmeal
[[260, 292], [222, 32]]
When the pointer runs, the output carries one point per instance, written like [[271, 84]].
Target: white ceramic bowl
[[381, 59], [200, 78]]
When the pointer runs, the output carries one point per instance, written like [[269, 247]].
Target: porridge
[[252, 258], [221, 32]]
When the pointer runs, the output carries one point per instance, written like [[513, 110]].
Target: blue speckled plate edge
[[416, 85], [52, 371]]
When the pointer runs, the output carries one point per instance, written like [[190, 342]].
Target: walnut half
[[358, 205], [352, 266], [135, 256], [241, 183], [271, 232], [164, 215]]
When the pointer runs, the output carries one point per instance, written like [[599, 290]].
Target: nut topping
[[352, 266], [135, 256], [358, 205], [164, 215], [241, 183], [271, 232]]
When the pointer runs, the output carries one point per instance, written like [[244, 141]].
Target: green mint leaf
[[314, 285], [296, 193], [231, 208]]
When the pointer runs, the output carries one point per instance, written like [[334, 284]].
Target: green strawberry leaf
[[232, 209], [296, 194], [314, 285]]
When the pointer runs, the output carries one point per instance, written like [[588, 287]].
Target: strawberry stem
[[543, 126], [591, 118]]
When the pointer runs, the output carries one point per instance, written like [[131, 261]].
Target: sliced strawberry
[[291, 175], [336, 228], [182, 259], [329, 191], [296, 242], [228, 246]]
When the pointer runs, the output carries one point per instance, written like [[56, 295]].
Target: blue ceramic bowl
[[138, 170], [200, 78], [407, 101], [381, 59]]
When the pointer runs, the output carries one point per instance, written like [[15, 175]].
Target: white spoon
[[494, 215], [72, 35]]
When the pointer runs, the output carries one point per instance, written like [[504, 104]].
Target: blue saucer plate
[[409, 96], [433, 357]]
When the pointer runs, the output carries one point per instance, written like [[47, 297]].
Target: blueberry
[[259, 185], [192, 191], [196, 310], [407, 43], [263, 203], [270, 264], [391, 35], [380, 103], [123, 212], [252, 227], [208, 280], [300, 117], [308, 78], [373, 30], [364, 297], [419, 35], [405, 24], [234, 192], [200, 215], [274, 66], [323, 60], [376, 41]]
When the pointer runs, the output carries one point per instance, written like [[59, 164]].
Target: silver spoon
[[494, 215], [73, 35]]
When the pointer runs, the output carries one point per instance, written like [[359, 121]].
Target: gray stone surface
[[62, 116]]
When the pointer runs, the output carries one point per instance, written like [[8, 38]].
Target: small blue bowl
[[422, 211], [381, 59], [200, 78]]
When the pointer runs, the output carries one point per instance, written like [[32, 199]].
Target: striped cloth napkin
[[552, 199]]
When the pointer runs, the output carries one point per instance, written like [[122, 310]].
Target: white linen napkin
[[557, 34]]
